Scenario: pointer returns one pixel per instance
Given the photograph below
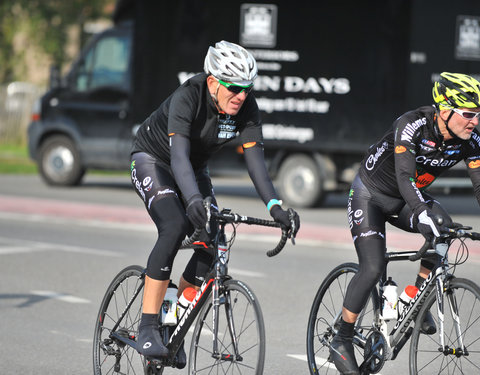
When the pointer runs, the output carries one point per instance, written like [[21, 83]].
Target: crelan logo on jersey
[[474, 164], [400, 149]]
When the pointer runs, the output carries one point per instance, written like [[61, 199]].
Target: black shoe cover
[[428, 325], [150, 343], [342, 353]]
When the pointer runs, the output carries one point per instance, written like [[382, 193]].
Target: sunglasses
[[467, 115], [236, 89]]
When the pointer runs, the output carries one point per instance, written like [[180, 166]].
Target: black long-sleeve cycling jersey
[[413, 153], [187, 129]]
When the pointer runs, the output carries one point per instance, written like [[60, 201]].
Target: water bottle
[[169, 306], [185, 300], [222, 252], [390, 299], [407, 295]]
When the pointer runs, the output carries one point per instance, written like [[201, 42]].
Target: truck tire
[[59, 162], [300, 181]]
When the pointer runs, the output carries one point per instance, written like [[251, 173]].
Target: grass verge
[[15, 159]]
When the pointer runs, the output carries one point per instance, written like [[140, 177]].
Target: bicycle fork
[[441, 291], [217, 302]]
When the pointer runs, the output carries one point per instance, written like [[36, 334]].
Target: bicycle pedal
[[155, 362]]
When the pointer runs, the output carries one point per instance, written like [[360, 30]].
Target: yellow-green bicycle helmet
[[456, 90]]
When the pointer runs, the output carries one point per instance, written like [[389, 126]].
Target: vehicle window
[[106, 64]]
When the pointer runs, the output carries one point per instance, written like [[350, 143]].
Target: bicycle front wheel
[[461, 324], [110, 355], [325, 314], [241, 334]]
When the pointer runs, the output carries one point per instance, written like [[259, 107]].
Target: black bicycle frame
[[211, 284], [214, 277], [402, 330]]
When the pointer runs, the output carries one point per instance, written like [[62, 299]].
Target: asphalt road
[[60, 248]]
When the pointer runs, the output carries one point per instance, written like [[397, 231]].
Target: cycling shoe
[[343, 356], [150, 343], [428, 326]]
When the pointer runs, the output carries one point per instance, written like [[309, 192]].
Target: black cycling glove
[[196, 212], [428, 225], [283, 217]]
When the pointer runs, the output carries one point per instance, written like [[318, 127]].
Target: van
[[333, 76]]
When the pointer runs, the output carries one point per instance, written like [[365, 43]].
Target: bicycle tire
[[325, 314], [106, 350], [425, 357], [249, 327]]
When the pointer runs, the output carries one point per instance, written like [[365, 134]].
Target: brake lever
[[207, 203], [291, 216]]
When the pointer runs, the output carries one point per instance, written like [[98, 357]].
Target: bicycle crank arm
[[126, 340]]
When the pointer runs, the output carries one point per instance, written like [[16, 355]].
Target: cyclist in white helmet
[[169, 171]]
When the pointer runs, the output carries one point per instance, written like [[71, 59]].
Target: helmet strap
[[446, 125], [215, 100]]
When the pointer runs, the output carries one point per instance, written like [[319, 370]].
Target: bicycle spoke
[[325, 313], [241, 320], [462, 302], [119, 295]]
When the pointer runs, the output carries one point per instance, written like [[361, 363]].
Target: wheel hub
[[60, 161], [457, 352]]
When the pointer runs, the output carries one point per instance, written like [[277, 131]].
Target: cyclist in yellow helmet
[[420, 145], [454, 92]]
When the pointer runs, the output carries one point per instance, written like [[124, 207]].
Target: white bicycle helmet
[[231, 62]]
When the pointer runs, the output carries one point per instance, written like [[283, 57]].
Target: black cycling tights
[[367, 214], [156, 186]]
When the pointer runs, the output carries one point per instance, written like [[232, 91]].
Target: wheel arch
[[58, 128], [323, 169]]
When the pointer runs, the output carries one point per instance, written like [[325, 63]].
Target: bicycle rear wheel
[[245, 328], [109, 355], [326, 313], [426, 355]]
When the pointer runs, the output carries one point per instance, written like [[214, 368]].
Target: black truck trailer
[[333, 76]]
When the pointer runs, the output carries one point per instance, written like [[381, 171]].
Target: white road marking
[[59, 296], [88, 341], [252, 237], [17, 249], [303, 357], [236, 271], [268, 238], [14, 246], [85, 222]]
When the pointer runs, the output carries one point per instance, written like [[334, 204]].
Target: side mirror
[[55, 79]]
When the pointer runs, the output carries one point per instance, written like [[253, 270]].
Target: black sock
[[345, 330], [149, 320], [419, 281]]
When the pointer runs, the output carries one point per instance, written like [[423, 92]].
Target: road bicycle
[[229, 335], [453, 302]]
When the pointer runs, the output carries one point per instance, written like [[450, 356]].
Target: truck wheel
[[300, 182], [59, 162]]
